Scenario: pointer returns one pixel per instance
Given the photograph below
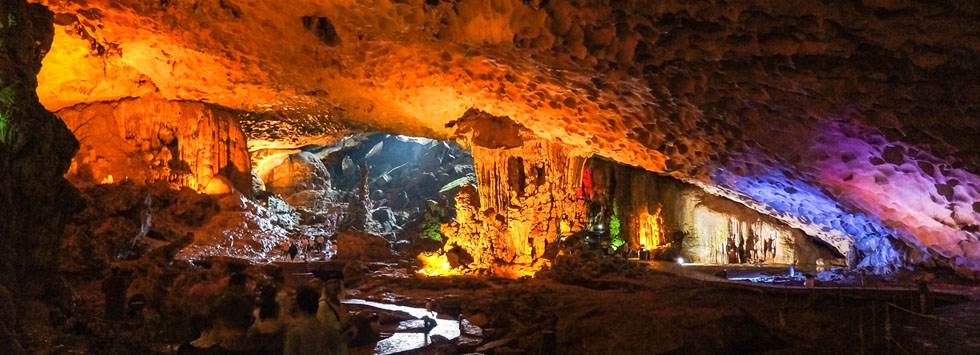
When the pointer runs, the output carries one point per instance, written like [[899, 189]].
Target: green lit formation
[[11, 21], [432, 231], [7, 99], [7, 95], [431, 223], [469, 179], [614, 228]]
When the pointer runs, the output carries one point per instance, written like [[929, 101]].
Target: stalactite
[[531, 188], [662, 213], [152, 139], [526, 199]]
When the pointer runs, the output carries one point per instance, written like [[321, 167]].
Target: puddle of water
[[409, 334]]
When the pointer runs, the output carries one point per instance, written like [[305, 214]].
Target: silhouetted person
[[293, 250], [231, 316], [268, 326], [234, 305], [319, 244], [114, 287], [134, 308], [428, 324], [307, 334], [333, 313], [368, 328]]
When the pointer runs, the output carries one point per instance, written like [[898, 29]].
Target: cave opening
[[403, 187]]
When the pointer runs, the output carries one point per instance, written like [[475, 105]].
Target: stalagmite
[[527, 196]]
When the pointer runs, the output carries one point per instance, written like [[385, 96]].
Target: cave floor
[[638, 311], [657, 312], [777, 276]]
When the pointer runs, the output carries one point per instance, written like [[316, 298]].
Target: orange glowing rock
[[526, 198], [150, 139], [436, 264], [650, 229], [629, 81]]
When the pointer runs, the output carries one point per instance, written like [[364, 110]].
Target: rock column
[[35, 150], [526, 196]]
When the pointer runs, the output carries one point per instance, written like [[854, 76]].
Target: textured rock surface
[[851, 120], [297, 172], [356, 245], [126, 221], [35, 150], [662, 212], [243, 229], [526, 194], [149, 139]]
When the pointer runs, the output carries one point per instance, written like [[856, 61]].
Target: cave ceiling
[[852, 120]]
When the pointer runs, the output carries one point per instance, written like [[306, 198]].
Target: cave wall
[[187, 144], [661, 212], [746, 99], [35, 151]]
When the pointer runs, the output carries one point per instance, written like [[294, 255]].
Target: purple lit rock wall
[[898, 205]]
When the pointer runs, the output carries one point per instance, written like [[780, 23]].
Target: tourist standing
[[334, 314], [308, 334], [319, 243], [267, 329], [114, 287]]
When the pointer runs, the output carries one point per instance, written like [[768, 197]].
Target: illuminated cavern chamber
[[532, 195], [611, 78], [676, 219], [529, 195]]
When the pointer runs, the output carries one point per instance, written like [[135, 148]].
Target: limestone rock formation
[[297, 172], [35, 152], [526, 193], [865, 110], [662, 212], [357, 215], [356, 245], [241, 228], [150, 139], [468, 229]]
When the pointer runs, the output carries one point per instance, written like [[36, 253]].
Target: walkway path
[[947, 295]]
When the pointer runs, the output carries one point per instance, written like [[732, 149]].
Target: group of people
[[309, 246], [308, 320]]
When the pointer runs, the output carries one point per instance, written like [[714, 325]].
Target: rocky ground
[[593, 305], [633, 310]]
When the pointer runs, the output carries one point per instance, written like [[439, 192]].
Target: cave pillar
[[531, 189], [639, 200], [526, 194], [35, 150]]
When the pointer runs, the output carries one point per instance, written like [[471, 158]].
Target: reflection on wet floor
[[409, 334]]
